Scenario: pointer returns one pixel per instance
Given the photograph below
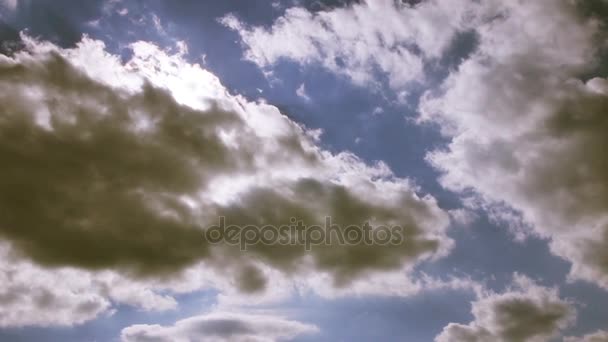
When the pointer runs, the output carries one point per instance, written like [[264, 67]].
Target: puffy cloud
[[517, 113], [30, 295], [516, 110], [74, 296], [112, 171], [462, 216], [34, 295], [398, 283], [527, 130], [220, 326], [389, 36], [528, 133], [598, 336], [526, 312], [102, 172]]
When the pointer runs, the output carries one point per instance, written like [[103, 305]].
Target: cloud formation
[[598, 336], [218, 327], [116, 169], [525, 313], [392, 37], [32, 295], [528, 131]]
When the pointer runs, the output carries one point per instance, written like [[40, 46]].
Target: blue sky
[[516, 243]]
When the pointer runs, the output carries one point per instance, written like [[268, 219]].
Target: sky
[[469, 133]]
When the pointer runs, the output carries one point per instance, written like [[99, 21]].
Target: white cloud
[[462, 216], [301, 92], [527, 133], [30, 295], [525, 312], [361, 39], [220, 326], [598, 336]]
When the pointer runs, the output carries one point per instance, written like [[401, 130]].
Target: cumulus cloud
[[220, 326], [115, 170], [30, 295], [526, 312], [389, 36], [35, 295], [527, 132], [526, 129], [87, 167], [462, 216], [598, 336]]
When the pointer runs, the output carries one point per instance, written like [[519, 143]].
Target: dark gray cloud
[[122, 167], [90, 189], [312, 201]]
